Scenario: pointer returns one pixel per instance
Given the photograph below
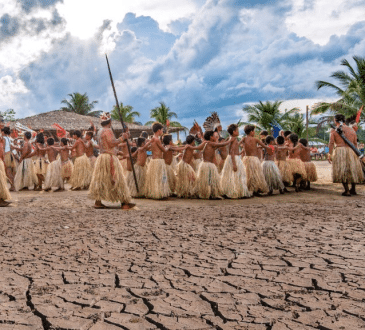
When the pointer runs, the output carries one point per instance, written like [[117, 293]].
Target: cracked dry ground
[[286, 262]]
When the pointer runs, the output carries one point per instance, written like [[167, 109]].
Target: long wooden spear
[[121, 120]]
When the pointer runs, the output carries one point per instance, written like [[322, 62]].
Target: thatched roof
[[71, 121]]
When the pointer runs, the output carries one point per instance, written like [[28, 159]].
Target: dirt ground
[[283, 262]]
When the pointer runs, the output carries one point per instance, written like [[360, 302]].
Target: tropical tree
[[266, 114], [128, 114], [351, 90], [8, 115], [79, 103], [163, 115], [297, 124]]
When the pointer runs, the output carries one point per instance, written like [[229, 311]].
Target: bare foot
[[99, 205], [128, 206], [346, 193], [4, 203], [353, 192], [59, 189], [48, 189], [25, 188]]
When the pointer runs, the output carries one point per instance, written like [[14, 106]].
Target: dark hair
[[220, 139], [294, 138], [105, 123], [248, 129], [40, 138], [77, 133], [280, 140], [264, 132], [133, 149], [269, 138], [28, 135], [6, 130], [208, 135], [232, 128], [64, 141], [50, 141], [340, 118], [144, 134], [167, 139], [91, 134], [304, 142], [156, 127], [140, 141], [190, 139], [286, 133]]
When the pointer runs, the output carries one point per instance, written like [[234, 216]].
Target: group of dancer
[[205, 166]]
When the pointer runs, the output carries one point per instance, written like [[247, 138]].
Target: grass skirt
[[157, 183], [296, 166], [10, 160], [208, 183], [92, 161], [185, 183], [66, 169], [53, 175], [255, 177], [81, 174], [284, 168], [108, 182], [141, 177], [171, 177], [311, 171], [175, 162], [25, 175], [196, 163], [4, 190], [346, 166], [124, 163], [40, 166], [234, 183], [272, 175]]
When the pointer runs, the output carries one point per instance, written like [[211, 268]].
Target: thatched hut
[[71, 121]]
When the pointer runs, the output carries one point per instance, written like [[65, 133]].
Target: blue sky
[[197, 56]]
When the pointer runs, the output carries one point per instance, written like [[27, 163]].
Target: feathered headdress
[[195, 129], [212, 122], [105, 116], [61, 132]]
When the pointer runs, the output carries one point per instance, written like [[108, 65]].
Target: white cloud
[[9, 89], [95, 12], [318, 20]]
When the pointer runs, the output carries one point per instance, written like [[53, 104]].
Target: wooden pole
[[307, 122], [178, 135]]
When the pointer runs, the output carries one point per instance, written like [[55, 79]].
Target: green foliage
[[361, 135], [127, 112], [8, 115], [80, 104], [351, 90], [162, 114]]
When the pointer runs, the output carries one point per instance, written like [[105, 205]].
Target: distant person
[[310, 168]]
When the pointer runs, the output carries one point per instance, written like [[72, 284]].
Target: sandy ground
[[283, 262]]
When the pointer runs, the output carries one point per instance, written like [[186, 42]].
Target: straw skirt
[[40, 166], [285, 172], [4, 190], [141, 177], [272, 175], [255, 177], [233, 183], [311, 171], [196, 163], [81, 174], [208, 183], [10, 160], [296, 166], [25, 175], [53, 175], [346, 166], [157, 183], [185, 183], [66, 169], [108, 182], [171, 177], [92, 161], [124, 163]]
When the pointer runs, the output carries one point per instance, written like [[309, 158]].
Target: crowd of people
[[205, 166]]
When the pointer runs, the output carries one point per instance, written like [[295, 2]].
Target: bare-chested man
[[346, 166], [233, 180], [25, 176], [66, 163], [310, 168]]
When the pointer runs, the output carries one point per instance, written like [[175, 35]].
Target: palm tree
[[163, 115], [79, 103], [127, 113], [265, 114], [297, 124], [351, 90]]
